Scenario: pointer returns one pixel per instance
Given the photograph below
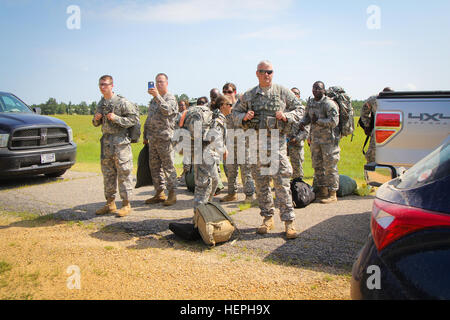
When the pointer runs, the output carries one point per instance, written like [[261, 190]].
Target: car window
[[433, 167], [12, 104]]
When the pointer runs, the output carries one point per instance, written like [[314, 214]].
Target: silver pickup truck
[[408, 126]]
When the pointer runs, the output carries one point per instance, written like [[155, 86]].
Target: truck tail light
[[390, 222], [387, 125]]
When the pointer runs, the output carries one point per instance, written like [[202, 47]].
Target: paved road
[[330, 235]]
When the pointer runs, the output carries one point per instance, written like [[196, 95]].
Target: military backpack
[[201, 114], [134, 132], [343, 100]]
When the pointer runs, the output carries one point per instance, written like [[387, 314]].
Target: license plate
[[47, 157]]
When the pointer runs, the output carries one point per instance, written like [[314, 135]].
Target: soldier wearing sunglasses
[[273, 107], [232, 165]]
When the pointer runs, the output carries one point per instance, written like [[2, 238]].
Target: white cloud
[[411, 86], [192, 11], [286, 32], [377, 43]]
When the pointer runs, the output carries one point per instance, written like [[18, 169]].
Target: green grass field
[[87, 138]]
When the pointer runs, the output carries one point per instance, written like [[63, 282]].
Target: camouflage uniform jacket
[[369, 106], [298, 134], [116, 131], [162, 113], [326, 129], [217, 135], [267, 102]]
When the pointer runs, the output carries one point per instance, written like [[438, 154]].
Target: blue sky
[[203, 44]]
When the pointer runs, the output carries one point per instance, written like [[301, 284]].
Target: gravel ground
[[330, 236]]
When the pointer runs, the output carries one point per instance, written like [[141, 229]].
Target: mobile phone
[[151, 84]]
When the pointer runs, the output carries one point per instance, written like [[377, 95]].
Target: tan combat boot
[[291, 233], [229, 197], [322, 193], [171, 199], [157, 198], [125, 210], [331, 198], [110, 207], [250, 199], [266, 226]]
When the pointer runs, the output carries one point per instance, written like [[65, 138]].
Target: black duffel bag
[[143, 176], [302, 193]]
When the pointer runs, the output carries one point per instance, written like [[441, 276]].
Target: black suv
[[30, 143]]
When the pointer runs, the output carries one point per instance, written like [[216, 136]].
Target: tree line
[[53, 107]]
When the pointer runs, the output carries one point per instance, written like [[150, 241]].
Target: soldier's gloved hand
[[314, 118], [249, 115]]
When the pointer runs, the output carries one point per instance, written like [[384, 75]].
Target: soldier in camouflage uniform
[[232, 166], [296, 141], [206, 174], [158, 132], [116, 115], [368, 111], [323, 115], [271, 106]]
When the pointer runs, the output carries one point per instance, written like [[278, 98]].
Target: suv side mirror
[[37, 110], [377, 174]]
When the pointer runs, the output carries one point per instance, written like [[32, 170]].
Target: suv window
[[433, 167], [9, 103]]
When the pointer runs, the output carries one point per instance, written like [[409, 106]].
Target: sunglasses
[[228, 91], [103, 84], [265, 71]]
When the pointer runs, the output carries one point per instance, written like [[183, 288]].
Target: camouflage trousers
[[117, 168], [206, 177], [231, 171], [370, 153], [296, 154], [281, 180], [325, 158], [161, 162]]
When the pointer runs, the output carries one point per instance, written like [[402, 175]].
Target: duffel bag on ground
[[186, 231], [347, 186], [302, 193], [213, 223]]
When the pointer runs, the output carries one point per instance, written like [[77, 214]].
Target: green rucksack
[[343, 100], [347, 186]]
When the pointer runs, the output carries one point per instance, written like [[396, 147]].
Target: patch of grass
[[109, 248], [328, 278], [4, 266], [3, 283], [244, 206], [100, 273], [364, 190]]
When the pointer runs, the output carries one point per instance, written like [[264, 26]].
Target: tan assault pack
[[213, 223]]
